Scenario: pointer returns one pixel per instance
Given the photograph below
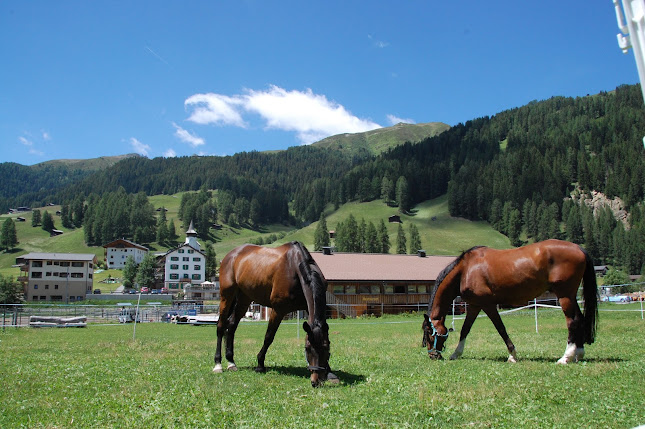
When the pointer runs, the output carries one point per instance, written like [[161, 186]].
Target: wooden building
[[360, 283]]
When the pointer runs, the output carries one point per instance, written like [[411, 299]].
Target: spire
[[191, 230], [191, 237]]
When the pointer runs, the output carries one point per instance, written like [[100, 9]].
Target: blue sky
[[82, 79]]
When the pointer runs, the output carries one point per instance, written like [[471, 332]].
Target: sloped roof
[[380, 267], [127, 243], [58, 256]]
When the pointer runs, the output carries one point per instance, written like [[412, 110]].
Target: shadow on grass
[[346, 379], [545, 359]]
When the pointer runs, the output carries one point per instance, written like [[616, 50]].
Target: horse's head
[[432, 338], [317, 351]]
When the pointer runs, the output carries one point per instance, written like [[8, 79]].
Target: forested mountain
[[517, 170]]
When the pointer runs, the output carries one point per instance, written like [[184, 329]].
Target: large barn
[[361, 283]]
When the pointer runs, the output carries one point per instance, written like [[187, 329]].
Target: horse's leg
[[471, 315], [241, 306], [275, 319], [494, 316], [222, 325], [575, 350]]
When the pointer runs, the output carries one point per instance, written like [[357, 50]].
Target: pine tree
[[384, 238], [9, 236], [401, 241], [415, 239], [48, 222], [211, 261], [36, 218], [129, 272], [321, 235], [403, 194], [372, 243], [172, 233]]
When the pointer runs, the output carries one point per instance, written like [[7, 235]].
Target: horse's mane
[[314, 280], [442, 275]]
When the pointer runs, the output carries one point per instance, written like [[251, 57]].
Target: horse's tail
[[590, 295]]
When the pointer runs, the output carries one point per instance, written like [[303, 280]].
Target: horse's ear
[[425, 316], [306, 327]]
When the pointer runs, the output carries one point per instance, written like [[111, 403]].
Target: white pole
[[136, 316], [298, 325], [536, 322], [641, 300]]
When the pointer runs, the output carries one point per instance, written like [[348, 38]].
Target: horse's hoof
[[217, 369], [260, 369], [511, 359], [454, 356], [562, 361], [231, 367]]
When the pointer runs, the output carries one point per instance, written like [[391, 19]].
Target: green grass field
[[100, 377]]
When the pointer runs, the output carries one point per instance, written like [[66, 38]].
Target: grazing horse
[[286, 279], [487, 277]]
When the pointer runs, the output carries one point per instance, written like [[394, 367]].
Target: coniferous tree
[[415, 239], [9, 236], [36, 218], [129, 272], [371, 237], [66, 216], [211, 261], [321, 235], [172, 233], [401, 241], [48, 222], [361, 236], [162, 227], [384, 238], [402, 194]]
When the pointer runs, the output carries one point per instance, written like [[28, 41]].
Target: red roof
[[380, 267]]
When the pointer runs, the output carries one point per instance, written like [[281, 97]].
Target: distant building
[[62, 277], [117, 253], [184, 266]]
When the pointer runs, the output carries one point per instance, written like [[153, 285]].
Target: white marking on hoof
[[218, 368], [231, 367], [569, 354], [512, 358]]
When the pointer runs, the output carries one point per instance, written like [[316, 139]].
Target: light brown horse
[[286, 279], [485, 277]]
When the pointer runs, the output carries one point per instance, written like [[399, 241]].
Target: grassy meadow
[[100, 377]]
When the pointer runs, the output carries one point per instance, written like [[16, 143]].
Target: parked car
[[164, 290], [155, 291], [97, 291], [145, 290], [617, 298]]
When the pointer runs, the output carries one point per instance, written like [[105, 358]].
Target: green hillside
[[93, 164], [441, 234], [380, 140]]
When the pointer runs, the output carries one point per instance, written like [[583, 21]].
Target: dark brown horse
[[286, 279], [487, 277]]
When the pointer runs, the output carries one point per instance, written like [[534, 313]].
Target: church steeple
[[191, 237]]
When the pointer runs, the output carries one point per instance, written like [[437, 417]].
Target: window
[[375, 289], [185, 275], [174, 285], [49, 262], [37, 264], [197, 259], [64, 264], [34, 298], [197, 276], [77, 264], [412, 289], [77, 275], [422, 289], [36, 275], [184, 267], [174, 258], [191, 251], [49, 274], [363, 289], [198, 267], [56, 287], [35, 286], [174, 266], [180, 251], [46, 286], [350, 290], [174, 276], [185, 259], [389, 289], [339, 290]]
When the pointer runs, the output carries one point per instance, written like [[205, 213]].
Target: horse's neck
[[319, 298], [446, 292]]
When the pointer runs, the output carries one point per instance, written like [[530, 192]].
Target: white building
[[185, 265], [63, 277], [118, 251]]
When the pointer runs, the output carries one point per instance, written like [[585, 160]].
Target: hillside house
[[184, 266], [62, 277], [117, 253]]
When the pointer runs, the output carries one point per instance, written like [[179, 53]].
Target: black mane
[[315, 280], [442, 275]]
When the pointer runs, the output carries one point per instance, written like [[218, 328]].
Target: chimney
[[326, 250], [422, 253]]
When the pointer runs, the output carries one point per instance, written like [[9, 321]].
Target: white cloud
[[215, 109], [186, 137], [393, 120], [140, 148], [378, 43], [170, 153], [46, 136], [311, 116], [25, 141]]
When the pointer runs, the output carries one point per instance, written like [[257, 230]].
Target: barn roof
[[380, 267]]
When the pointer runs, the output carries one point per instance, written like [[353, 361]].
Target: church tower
[[191, 237]]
